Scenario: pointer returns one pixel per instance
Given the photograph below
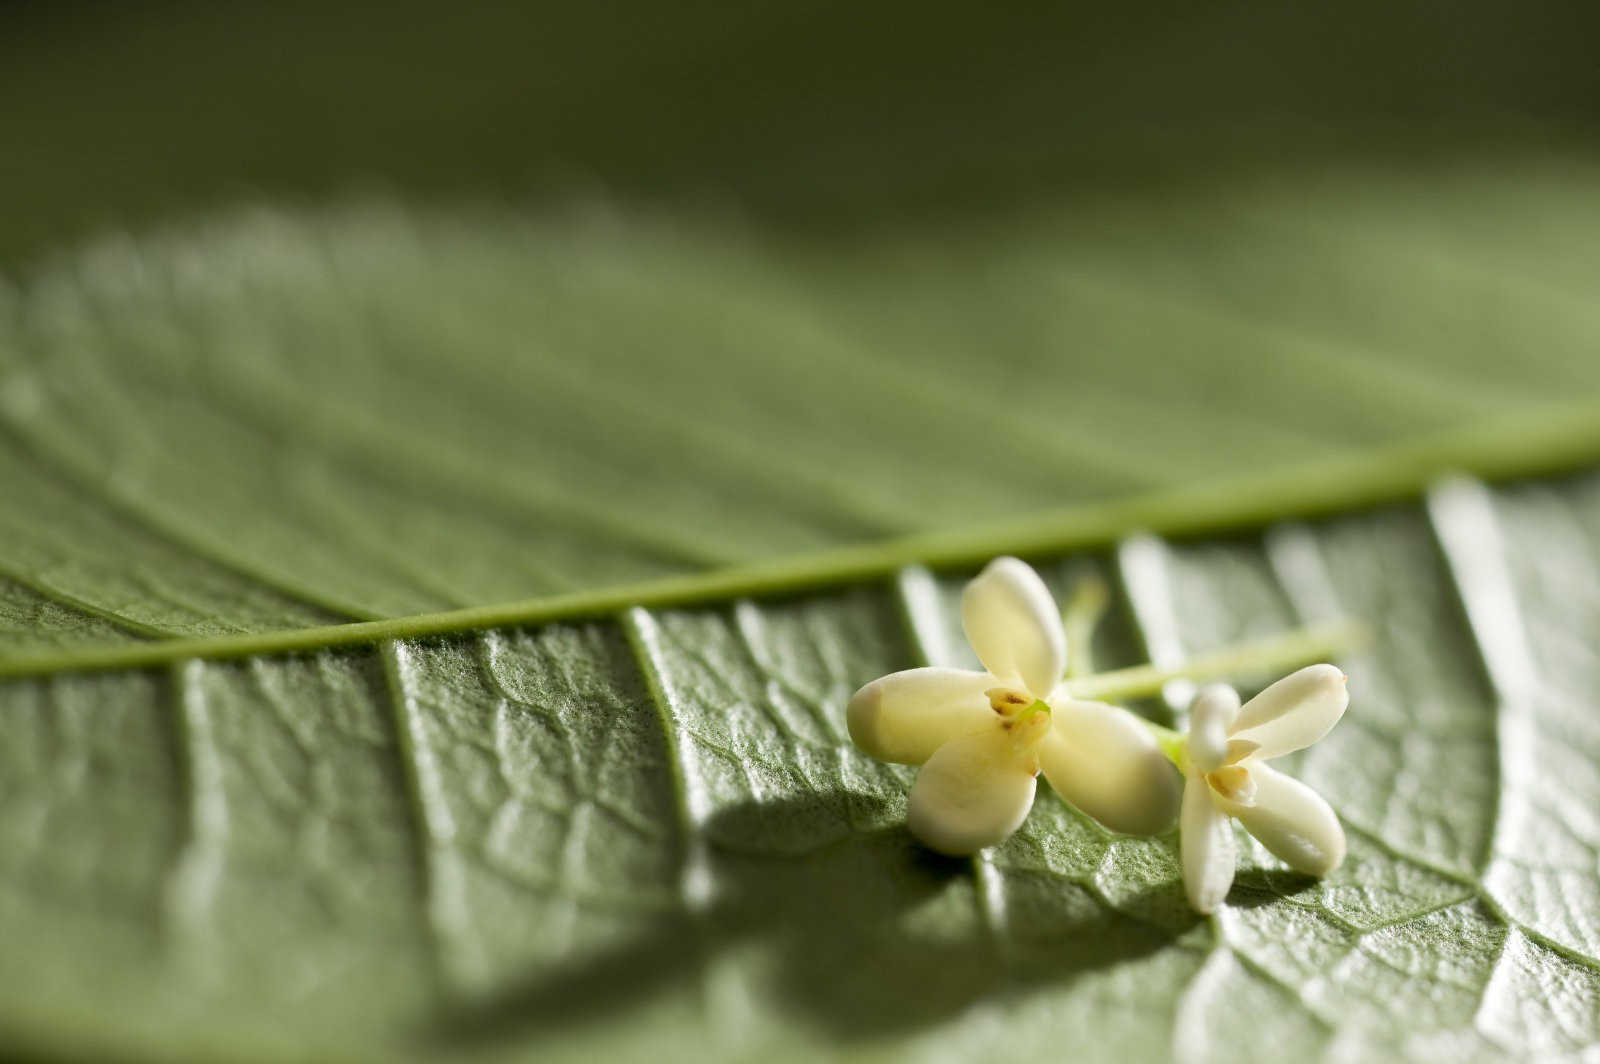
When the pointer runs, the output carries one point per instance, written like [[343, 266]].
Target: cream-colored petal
[[1211, 716], [1294, 712], [1291, 820], [1206, 847], [906, 716], [974, 792], [1104, 761], [1012, 622]]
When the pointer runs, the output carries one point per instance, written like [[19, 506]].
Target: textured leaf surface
[[613, 837], [602, 836]]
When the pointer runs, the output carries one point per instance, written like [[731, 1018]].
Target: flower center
[[1234, 783], [1024, 718], [1027, 726], [1008, 701]]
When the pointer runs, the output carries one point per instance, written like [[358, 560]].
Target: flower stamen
[[1008, 701], [1028, 727], [1233, 782]]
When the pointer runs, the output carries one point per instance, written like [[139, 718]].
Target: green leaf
[[628, 511], [366, 412], [592, 838]]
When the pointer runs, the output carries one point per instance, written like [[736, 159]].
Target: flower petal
[[1012, 622], [1104, 761], [1291, 820], [906, 716], [1294, 712], [1211, 717], [1206, 846], [974, 792]]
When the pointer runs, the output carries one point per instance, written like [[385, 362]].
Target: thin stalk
[[1302, 646], [1172, 743]]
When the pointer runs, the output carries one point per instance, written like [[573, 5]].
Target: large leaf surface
[[606, 836], [610, 837]]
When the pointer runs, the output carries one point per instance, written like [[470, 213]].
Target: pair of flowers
[[982, 738]]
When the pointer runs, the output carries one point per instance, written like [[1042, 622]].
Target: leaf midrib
[[1549, 439]]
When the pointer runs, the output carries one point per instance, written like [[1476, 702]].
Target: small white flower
[[982, 737], [1225, 776]]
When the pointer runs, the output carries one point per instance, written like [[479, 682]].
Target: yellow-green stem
[[1302, 646], [1172, 743]]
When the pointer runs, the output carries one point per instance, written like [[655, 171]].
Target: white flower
[[1225, 776], [982, 737]]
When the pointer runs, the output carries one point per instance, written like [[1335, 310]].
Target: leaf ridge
[[1533, 934], [693, 805], [431, 827], [1401, 853], [1462, 514], [1188, 1029], [1300, 568], [200, 858], [1558, 439], [105, 490], [131, 625], [1273, 979]]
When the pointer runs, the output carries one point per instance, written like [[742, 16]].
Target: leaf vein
[[433, 829], [174, 533]]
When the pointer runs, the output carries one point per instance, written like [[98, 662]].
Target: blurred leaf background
[[826, 118], [647, 290]]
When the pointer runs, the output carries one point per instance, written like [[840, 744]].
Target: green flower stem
[[1171, 742], [1302, 646]]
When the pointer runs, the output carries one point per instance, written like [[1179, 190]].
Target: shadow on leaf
[[867, 936], [1255, 887]]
